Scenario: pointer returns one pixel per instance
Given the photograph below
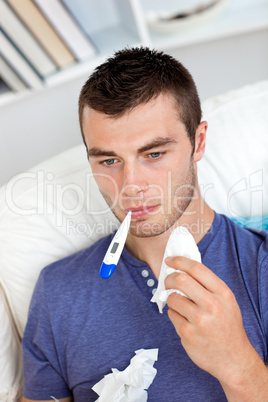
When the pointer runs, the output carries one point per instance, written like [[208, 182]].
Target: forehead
[[158, 117]]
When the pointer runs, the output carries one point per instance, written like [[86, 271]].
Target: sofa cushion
[[233, 174]]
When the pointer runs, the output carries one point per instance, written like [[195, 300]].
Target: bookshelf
[[30, 29], [111, 25], [117, 23]]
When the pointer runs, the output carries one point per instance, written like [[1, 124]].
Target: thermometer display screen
[[114, 248]]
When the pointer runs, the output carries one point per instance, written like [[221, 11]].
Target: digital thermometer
[[115, 249]]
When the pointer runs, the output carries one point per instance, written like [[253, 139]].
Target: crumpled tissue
[[129, 385], [180, 243]]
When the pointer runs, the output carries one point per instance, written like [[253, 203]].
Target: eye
[[155, 155], [108, 162]]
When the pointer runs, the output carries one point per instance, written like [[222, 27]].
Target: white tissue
[[129, 385], [180, 243]]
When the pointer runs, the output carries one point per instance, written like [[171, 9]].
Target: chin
[[145, 228]]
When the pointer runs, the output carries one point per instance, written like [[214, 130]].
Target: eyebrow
[[99, 152], [156, 143]]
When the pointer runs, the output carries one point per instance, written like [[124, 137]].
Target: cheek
[[182, 176], [107, 185], [183, 168], [158, 182]]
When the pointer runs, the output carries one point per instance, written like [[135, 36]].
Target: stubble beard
[[146, 227]]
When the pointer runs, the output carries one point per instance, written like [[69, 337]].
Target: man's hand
[[211, 329]]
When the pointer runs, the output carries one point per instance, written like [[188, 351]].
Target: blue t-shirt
[[80, 325]]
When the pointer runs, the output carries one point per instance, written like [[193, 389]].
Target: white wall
[[37, 127], [41, 125], [225, 64]]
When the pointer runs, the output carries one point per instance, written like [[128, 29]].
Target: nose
[[135, 183]]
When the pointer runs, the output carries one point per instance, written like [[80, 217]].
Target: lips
[[141, 211]]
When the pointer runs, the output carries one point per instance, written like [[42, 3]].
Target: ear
[[200, 141]]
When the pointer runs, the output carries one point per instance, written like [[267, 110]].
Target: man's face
[[143, 163]]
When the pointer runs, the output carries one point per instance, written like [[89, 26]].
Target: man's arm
[[211, 329], [69, 399]]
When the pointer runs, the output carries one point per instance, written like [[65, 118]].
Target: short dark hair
[[136, 75]]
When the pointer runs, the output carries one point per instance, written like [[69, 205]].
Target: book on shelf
[[24, 41], [13, 57], [66, 27], [4, 89], [81, 10], [10, 78], [43, 32]]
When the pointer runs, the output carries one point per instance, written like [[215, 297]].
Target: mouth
[[140, 212]]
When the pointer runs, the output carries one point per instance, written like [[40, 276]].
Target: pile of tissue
[[129, 385]]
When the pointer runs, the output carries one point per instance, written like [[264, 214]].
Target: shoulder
[[244, 236], [230, 245], [250, 247]]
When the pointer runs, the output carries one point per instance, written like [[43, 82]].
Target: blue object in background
[[256, 222]]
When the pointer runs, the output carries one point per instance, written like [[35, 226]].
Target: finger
[[188, 285], [198, 271], [182, 306], [180, 323]]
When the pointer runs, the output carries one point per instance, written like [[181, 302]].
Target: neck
[[197, 218]]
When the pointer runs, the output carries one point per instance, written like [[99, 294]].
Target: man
[[141, 123]]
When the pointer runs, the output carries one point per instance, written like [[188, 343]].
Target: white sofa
[[55, 208]]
